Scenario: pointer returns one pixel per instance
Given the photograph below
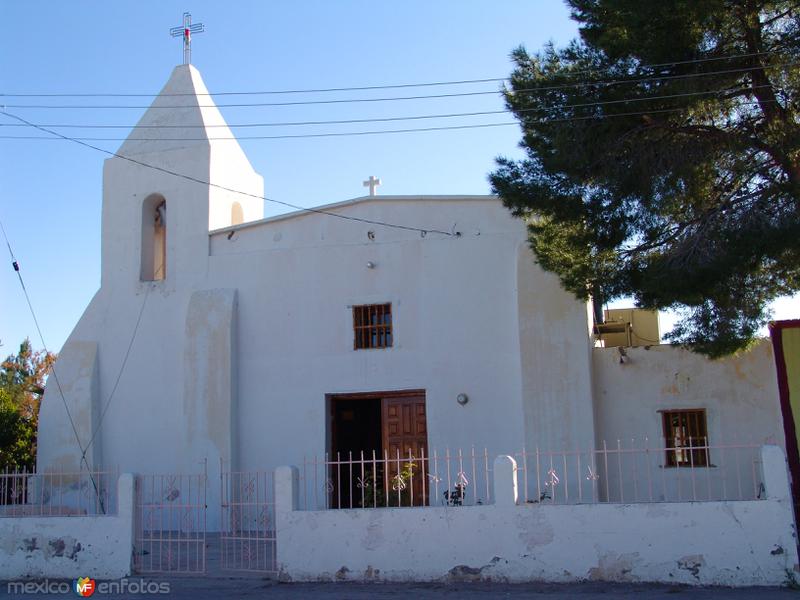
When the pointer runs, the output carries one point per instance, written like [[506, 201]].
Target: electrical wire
[[422, 231], [362, 88], [53, 372], [261, 93], [394, 98], [119, 373], [15, 265], [333, 134], [263, 137], [393, 119]]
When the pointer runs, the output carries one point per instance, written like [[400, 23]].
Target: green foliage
[[678, 183], [22, 379], [17, 436], [394, 491]]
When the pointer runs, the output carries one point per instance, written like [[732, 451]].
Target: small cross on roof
[[372, 183]]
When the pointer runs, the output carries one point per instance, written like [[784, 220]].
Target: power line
[[270, 137], [394, 98], [53, 371], [335, 134], [265, 92], [119, 374], [15, 265], [422, 231], [392, 119], [362, 88]]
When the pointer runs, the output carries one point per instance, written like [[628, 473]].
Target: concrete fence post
[[286, 495], [505, 481], [775, 473], [286, 501], [126, 498]]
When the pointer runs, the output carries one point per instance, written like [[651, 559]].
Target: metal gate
[[170, 523], [247, 529]]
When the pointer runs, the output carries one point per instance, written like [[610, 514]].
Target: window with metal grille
[[686, 436], [372, 326]]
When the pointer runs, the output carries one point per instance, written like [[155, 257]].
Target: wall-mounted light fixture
[[462, 399], [370, 264]]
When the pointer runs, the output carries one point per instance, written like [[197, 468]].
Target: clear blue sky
[[50, 191]]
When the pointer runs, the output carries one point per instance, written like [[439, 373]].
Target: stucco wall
[[455, 313], [455, 304], [555, 360], [77, 373], [70, 547], [739, 393], [703, 543]]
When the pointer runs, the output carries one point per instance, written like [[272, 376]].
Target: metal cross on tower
[[186, 31]]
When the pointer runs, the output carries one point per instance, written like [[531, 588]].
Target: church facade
[[218, 335]]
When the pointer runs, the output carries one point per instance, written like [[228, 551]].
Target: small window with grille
[[686, 436], [372, 326]]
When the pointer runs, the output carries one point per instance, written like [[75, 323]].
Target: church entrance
[[378, 445]]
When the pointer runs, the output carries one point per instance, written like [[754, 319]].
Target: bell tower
[[166, 189]]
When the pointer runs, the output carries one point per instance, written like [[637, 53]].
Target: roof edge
[[352, 202]]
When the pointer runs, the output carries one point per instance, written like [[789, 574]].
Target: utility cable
[[394, 98], [366, 87], [82, 140], [119, 373], [422, 231], [53, 371], [393, 119]]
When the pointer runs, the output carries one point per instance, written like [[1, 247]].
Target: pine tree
[[663, 160]]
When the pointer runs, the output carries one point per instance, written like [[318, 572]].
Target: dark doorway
[[390, 429], [356, 428]]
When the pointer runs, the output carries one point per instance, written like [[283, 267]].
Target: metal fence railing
[[633, 472], [170, 522], [247, 532], [677, 470], [381, 480], [58, 493]]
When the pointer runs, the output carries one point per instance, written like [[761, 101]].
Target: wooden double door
[[393, 425]]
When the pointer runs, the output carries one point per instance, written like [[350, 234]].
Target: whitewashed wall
[[739, 394], [457, 325], [236, 349], [69, 547], [698, 543]]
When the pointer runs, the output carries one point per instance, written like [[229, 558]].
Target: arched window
[[237, 214], [154, 238]]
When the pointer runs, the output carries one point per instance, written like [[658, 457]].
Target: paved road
[[208, 588]]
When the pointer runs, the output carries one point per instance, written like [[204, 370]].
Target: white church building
[[386, 323]]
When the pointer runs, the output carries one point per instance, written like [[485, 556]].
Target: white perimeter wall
[[721, 543], [70, 547]]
